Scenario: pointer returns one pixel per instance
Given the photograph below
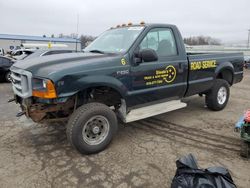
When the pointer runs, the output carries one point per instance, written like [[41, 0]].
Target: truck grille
[[21, 82]]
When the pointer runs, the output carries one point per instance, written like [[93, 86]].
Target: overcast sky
[[228, 20]]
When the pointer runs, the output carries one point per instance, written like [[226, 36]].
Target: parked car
[[39, 53], [5, 64], [22, 53], [128, 72]]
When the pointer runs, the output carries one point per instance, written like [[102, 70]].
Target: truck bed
[[203, 69]]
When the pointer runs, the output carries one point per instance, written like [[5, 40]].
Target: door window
[[161, 40]]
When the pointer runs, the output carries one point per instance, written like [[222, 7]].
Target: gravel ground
[[143, 153]]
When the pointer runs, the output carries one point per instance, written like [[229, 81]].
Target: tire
[[82, 132], [217, 97], [7, 77], [245, 149]]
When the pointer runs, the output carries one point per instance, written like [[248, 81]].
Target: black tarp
[[188, 175]]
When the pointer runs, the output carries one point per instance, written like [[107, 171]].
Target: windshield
[[115, 40]]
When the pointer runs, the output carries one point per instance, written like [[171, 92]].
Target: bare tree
[[201, 40], [85, 40]]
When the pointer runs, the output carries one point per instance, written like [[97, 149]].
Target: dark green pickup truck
[[129, 72]]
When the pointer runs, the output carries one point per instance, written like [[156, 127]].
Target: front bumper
[[44, 112]]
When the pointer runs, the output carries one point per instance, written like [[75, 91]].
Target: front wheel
[[91, 128], [217, 97]]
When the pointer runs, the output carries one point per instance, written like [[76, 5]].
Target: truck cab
[[129, 72]]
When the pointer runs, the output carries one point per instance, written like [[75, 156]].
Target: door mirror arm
[[137, 58]]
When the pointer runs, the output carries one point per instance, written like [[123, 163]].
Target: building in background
[[14, 42]]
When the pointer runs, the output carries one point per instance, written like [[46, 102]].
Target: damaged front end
[[42, 110], [38, 98]]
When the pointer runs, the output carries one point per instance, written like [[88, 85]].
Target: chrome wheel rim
[[222, 95], [95, 130]]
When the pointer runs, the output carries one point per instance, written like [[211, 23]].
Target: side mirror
[[147, 55]]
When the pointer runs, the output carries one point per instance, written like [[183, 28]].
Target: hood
[[47, 65]]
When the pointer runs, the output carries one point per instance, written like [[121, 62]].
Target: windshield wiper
[[97, 51]]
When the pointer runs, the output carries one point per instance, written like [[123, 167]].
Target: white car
[[21, 54]]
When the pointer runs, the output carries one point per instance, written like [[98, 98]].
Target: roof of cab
[[144, 25]]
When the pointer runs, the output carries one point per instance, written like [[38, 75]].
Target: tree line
[[201, 40]]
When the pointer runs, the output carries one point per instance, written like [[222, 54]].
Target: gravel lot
[[143, 153]]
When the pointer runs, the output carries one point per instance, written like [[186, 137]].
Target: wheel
[[8, 77], [245, 149], [91, 128], [217, 97]]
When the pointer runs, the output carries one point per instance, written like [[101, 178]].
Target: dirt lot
[[143, 154]]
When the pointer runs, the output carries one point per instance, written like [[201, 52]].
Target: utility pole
[[77, 25], [248, 38]]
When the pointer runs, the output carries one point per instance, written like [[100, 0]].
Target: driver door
[[161, 79]]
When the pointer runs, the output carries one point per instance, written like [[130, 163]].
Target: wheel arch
[[226, 72], [107, 90], [93, 81]]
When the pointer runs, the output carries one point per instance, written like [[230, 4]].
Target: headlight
[[43, 88]]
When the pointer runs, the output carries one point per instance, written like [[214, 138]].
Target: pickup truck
[[128, 73]]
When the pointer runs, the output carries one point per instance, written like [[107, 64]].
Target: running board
[[153, 110]]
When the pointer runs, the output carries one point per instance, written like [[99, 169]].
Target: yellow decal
[[123, 61], [167, 75], [199, 65]]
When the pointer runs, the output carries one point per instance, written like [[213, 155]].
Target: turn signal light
[[48, 93]]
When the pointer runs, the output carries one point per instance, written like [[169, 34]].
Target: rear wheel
[[91, 128], [217, 97], [8, 77]]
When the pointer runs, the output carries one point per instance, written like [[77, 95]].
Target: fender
[[224, 66], [93, 81]]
